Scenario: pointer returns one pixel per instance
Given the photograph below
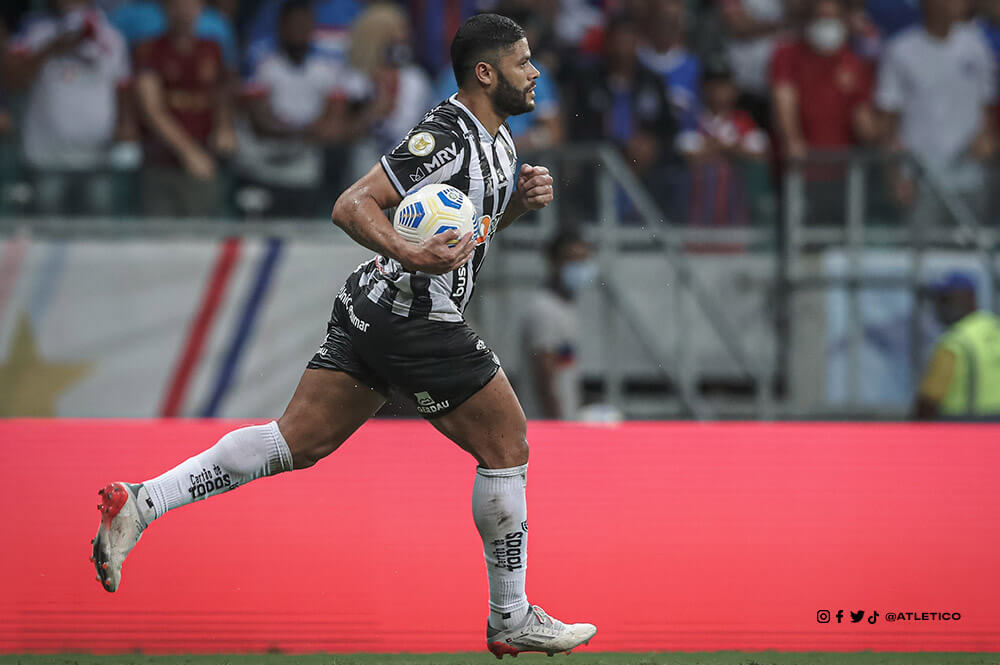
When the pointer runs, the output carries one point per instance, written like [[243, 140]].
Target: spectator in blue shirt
[[665, 54], [141, 20], [331, 37], [891, 16]]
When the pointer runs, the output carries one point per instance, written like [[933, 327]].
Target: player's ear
[[485, 73]]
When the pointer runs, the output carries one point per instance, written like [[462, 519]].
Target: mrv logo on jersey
[[426, 403], [440, 158]]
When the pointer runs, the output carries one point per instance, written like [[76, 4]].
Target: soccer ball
[[434, 209]]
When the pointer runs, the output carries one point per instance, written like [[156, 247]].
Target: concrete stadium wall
[[667, 536]]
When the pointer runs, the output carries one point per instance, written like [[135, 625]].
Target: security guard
[[962, 380]]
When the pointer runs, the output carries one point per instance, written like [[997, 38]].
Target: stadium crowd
[[254, 108]]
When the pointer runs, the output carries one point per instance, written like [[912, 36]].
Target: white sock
[[239, 457], [501, 515]]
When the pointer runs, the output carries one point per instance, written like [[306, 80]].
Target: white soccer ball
[[434, 209]]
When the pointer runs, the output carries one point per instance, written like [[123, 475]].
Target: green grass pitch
[[713, 658]]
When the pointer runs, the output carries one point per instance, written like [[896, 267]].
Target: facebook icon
[[840, 615]]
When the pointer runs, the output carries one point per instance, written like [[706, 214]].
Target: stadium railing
[[809, 246]]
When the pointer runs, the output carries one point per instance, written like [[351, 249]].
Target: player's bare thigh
[[490, 425], [327, 407]]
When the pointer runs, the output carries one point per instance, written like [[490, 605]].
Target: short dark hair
[[561, 240], [289, 7], [480, 39]]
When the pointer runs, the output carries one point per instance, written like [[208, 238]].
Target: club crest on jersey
[[421, 144]]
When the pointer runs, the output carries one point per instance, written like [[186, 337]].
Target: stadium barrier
[[667, 536]]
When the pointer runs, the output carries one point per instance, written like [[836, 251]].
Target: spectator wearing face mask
[[400, 91], [821, 89], [550, 332]]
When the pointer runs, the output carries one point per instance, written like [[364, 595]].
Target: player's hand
[[535, 187], [434, 256]]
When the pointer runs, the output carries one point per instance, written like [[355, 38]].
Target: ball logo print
[[433, 210], [411, 215], [421, 144], [451, 198]]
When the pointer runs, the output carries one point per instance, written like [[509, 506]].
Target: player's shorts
[[437, 364]]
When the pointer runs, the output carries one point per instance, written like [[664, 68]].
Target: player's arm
[[534, 192], [358, 212]]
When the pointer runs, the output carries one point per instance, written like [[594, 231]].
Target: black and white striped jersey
[[448, 146]]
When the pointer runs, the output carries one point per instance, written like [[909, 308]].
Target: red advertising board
[[667, 536]]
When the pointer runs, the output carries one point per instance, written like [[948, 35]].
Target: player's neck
[[482, 108]]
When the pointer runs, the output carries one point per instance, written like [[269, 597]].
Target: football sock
[[239, 457], [501, 515]]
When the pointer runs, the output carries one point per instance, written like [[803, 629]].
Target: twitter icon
[[857, 616]]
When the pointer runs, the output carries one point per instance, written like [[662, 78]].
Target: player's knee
[[507, 453], [305, 456], [307, 441]]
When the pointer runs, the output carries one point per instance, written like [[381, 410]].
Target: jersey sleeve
[[431, 153]]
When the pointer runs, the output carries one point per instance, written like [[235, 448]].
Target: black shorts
[[437, 364]]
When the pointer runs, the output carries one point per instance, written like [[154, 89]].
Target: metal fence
[[806, 242]]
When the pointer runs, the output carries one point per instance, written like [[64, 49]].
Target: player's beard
[[508, 100]]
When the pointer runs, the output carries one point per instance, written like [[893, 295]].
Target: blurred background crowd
[[247, 108]]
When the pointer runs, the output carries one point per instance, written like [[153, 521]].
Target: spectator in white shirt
[[936, 84], [296, 101], [550, 333], [75, 68]]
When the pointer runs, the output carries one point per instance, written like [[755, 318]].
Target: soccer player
[[398, 322]]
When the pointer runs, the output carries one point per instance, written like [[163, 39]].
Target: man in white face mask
[[550, 386], [821, 89]]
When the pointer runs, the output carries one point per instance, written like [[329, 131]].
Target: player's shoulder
[[444, 119]]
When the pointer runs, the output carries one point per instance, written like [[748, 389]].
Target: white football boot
[[538, 632], [119, 531]]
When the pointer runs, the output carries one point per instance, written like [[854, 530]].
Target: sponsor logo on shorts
[[426, 403], [355, 321], [480, 345]]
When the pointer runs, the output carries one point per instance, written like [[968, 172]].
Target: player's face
[[514, 92]]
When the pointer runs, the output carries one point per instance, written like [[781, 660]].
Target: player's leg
[[327, 407], [490, 425]]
